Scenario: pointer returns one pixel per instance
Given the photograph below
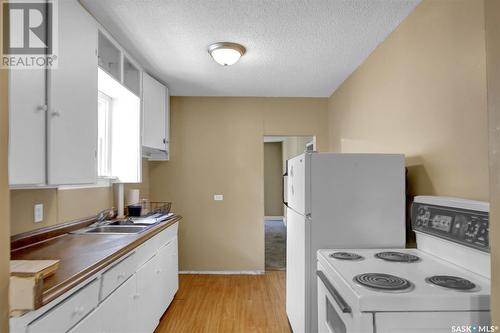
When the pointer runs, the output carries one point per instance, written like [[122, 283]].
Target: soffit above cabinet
[[294, 48]]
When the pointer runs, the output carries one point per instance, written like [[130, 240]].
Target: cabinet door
[[154, 100], [148, 296], [167, 124], [117, 313], [72, 123], [169, 275], [27, 127]]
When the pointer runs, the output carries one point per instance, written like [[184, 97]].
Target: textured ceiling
[[294, 48]]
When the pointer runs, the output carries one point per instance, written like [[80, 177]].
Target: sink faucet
[[103, 216]]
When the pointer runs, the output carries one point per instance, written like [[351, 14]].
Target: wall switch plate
[[218, 197], [38, 212]]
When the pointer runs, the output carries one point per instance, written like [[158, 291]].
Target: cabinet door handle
[[55, 113], [78, 311], [43, 107]]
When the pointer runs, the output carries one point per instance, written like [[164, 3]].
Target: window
[[119, 131], [104, 135]]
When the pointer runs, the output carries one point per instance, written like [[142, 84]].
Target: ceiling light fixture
[[226, 53]]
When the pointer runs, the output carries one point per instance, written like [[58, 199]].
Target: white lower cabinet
[[128, 297], [148, 298], [115, 314], [162, 272], [69, 312], [168, 273]]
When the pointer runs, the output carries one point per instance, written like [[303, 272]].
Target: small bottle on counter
[[145, 206]]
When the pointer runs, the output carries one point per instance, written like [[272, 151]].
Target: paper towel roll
[[132, 197]]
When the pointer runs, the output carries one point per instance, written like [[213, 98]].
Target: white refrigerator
[[337, 201]]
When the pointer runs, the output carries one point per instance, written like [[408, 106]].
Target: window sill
[[101, 182]]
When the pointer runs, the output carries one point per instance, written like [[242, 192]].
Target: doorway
[[277, 150]]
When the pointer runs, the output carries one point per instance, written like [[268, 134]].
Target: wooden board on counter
[[26, 284], [27, 268]]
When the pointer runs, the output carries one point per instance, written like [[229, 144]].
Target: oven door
[[335, 315]]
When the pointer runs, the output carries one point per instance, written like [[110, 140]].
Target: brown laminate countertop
[[83, 255]]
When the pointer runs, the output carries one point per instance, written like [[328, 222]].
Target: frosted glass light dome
[[225, 53]]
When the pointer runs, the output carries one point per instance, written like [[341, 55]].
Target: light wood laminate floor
[[228, 303]]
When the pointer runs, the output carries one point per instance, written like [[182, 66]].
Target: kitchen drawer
[[69, 312], [167, 235], [117, 274], [146, 251], [149, 248]]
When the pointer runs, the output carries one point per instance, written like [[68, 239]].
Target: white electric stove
[[441, 286]]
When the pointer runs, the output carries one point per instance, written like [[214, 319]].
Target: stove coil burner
[[451, 282], [397, 257], [346, 256], [383, 282]]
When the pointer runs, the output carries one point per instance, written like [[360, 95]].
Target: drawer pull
[[158, 271], [78, 311]]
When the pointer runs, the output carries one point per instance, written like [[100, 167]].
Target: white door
[[154, 99], [27, 127], [297, 253], [72, 123], [296, 193], [148, 296]]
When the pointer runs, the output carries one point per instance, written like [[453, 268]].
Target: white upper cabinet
[[72, 123], [53, 112], [155, 107], [27, 127], [110, 57], [131, 76]]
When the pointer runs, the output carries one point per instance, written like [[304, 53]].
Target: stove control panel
[[466, 227]]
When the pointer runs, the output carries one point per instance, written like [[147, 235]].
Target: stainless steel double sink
[[117, 227]]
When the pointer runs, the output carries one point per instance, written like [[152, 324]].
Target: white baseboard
[[273, 218], [224, 272]]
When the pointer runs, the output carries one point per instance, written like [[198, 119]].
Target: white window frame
[[108, 102]]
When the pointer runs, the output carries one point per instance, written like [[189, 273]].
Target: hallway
[[275, 241]]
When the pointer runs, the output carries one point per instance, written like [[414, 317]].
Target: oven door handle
[[344, 307]]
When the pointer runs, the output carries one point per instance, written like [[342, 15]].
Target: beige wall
[[293, 146], [422, 92], [4, 204], [217, 149], [143, 187], [65, 205], [273, 183], [492, 10], [58, 206]]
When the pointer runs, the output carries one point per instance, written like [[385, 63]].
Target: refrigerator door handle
[[285, 182]]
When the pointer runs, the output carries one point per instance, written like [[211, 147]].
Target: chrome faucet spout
[[103, 216]]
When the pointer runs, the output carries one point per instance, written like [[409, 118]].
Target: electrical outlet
[[38, 212], [218, 197]]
